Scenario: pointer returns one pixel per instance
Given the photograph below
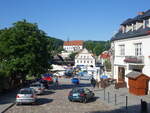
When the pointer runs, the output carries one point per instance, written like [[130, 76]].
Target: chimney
[[140, 13]]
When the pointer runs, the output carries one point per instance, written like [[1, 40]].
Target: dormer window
[[147, 23], [133, 27]]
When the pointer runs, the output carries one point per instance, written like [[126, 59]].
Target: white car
[[38, 87], [26, 95]]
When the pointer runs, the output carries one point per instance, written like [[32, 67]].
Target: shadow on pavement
[[47, 92], [92, 100], [8, 97], [41, 101]]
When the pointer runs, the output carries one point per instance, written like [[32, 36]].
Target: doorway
[[121, 74]]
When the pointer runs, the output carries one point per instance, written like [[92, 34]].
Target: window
[[87, 61], [122, 50], [134, 27], [147, 23], [84, 56], [91, 62], [81, 61], [84, 61], [138, 49], [77, 61]]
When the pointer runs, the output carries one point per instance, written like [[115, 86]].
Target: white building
[[130, 47], [84, 58], [73, 46]]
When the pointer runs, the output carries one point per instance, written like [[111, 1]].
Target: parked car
[[80, 94], [38, 87], [45, 83], [49, 79], [84, 77], [26, 95], [75, 80]]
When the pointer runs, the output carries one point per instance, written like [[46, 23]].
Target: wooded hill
[[97, 47]]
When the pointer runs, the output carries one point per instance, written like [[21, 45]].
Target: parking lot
[[55, 100]]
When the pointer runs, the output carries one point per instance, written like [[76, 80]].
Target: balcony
[[134, 59]]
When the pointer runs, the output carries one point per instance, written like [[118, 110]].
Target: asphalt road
[[56, 101]]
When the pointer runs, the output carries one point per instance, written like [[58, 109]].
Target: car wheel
[[85, 100], [70, 100], [34, 103]]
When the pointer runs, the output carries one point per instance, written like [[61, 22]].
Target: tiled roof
[[128, 21], [137, 18], [147, 14], [131, 34], [133, 74], [136, 33], [105, 55], [74, 42]]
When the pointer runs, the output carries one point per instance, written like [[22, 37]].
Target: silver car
[[38, 87], [26, 95]]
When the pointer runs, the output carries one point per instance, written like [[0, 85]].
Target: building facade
[[73, 46], [84, 58], [130, 47]]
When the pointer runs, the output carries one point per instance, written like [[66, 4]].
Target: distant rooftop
[[74, 42], [105, 55]]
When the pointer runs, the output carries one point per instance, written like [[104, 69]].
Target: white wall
[[73, 48], [130, 51], [87, 57]]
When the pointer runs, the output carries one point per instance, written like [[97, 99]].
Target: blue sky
[[72, 19]]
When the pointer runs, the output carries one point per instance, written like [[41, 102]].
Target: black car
[[80, 94]]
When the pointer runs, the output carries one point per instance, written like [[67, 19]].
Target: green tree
[[55, 46], [72, 55], [107, 64], [23, 51], [97, 47]]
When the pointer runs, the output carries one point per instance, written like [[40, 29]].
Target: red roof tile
[[105, 55], [74, 42]]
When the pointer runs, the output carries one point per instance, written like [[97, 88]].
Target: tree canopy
[[24, 50], [97, 47]]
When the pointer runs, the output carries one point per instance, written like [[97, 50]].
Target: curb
[[12, 104]]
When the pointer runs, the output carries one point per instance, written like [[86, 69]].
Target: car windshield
[[86, 90], [79, 90], [24, 91]]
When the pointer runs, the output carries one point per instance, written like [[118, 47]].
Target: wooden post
[[115, 99], [108, 97], [104, 93]]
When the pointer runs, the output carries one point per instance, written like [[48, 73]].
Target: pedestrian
[[56, 82], [93, 82]]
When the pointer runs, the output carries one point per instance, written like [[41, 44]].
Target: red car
[[49, 79]]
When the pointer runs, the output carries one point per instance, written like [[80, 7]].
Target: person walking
[[93, 82], [56, 82]]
